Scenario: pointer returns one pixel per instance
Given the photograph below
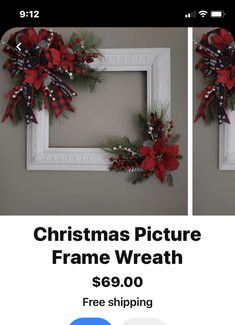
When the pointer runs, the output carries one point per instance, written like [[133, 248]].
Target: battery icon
[[217, 14]]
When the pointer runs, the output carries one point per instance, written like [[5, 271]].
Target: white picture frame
[[227, 143], [154, 61]]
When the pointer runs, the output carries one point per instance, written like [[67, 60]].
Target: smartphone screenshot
[[117, 159]]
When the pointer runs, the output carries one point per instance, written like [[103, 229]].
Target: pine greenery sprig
[[89, 79], [115, 145], [211, 112], [90, 40], [175, 138], [19, 112], [169, 180], [231, 101], [91, 44], [142, 121], [137, 177]]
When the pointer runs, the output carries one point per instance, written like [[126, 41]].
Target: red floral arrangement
[[218, 68], [155, 154], [38, 65]]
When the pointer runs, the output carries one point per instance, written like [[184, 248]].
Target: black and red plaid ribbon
[[218, 63], [38, 63]]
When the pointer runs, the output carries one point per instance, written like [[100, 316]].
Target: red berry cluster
[[81, 58], [124, 163], [75, 42], [169, 129], [87, 58], [128, 163], [156, 125], [147, 173], [81, 53]]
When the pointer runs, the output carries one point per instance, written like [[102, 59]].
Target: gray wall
[[45, 192], [213, 188]]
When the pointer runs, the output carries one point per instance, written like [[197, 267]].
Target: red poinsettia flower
[[30, 38], [221, 39], [226, 77], [60, 57], [55, 56], [35, 77], [67, 58], [160, 158]]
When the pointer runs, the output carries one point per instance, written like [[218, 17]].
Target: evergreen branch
[[211, 111], [175, 138], [137, 177], [19, 112], [231, 101], [116, 142], [91, 41], [89, 80], [161, 109], [16, 80], [209, 80], [38, 101], [142, 121], [169, 180]]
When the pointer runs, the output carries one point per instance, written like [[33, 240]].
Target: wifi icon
[[203, 13]]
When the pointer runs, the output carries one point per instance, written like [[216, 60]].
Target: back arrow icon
[[18, 46]]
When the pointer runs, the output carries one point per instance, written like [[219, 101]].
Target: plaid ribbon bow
[[218, 59], [34, 65]]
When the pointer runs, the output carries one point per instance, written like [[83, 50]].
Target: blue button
[[90, 321]]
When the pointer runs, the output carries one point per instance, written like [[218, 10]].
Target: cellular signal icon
[[191, 14], [203, 13]]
